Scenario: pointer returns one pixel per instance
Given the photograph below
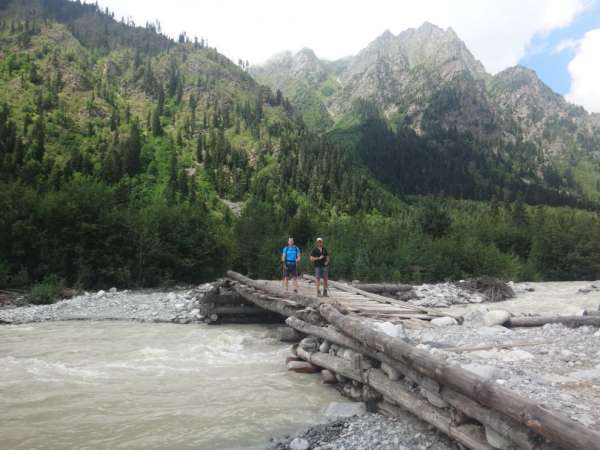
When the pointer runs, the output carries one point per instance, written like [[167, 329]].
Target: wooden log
[[568, 321], [278, 292], [470, 436], [302, 367], [425, 411], [239, 310], [523, 437], [554, 426], [591, 312], [228, 297], [376, 379], [269, 305], [382, 288], [334, 336]]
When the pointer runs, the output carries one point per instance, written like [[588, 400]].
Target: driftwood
[[382, 288], [278, 292], [568, 321], [376, 379], [555, 427]]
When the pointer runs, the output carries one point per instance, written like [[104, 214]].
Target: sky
[[560, 39]]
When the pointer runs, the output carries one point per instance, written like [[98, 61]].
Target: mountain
[[428, 80]]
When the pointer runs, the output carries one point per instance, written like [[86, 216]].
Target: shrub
[[45, 292]]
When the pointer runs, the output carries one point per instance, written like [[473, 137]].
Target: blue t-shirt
[[290, 254]]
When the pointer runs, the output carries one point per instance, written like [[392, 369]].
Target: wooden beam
[[382, 288], [554, 426]]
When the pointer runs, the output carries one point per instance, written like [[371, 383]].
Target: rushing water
[[91, 385]]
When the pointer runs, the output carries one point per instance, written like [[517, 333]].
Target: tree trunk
[[265, 286], [383, 288], [555, 427]]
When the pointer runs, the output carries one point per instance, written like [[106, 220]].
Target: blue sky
[[551, 65]]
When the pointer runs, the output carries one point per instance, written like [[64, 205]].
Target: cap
[[319, 239]]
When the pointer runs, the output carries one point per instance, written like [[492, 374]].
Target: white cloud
[[567, 44], [584, 69], [498, 32]]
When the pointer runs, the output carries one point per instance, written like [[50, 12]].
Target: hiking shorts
[[321, 271], [290, 270]]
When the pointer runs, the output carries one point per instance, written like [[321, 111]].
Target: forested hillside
[[118, 146]]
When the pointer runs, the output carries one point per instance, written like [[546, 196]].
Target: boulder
[[299, 444], [288, 334], [393, 330], [328, 377], [310, 344], [324, 347], [444, 322], [101, 294], [496, 317], [345, 409]]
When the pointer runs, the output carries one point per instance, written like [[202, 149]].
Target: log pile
[[473, 410]]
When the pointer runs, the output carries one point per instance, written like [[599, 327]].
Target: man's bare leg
[[318, 284], [285, 283], [325, 279]]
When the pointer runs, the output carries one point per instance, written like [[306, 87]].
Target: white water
[[94, 385]]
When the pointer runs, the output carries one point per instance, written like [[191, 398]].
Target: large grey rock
[[310, 344], [587, 375], [299, 444], [345, 409], [496, 317], [485, 371], [444, 322], [393, 330]]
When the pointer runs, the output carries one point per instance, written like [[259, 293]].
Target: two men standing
[[290, 257]]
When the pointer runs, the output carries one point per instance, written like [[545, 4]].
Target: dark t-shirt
[[316, 253]]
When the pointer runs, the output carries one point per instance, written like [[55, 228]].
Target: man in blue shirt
[[290, 257]]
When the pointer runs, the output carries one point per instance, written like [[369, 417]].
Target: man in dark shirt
[[320, 259]]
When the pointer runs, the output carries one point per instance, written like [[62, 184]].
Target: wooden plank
[[568, 321]]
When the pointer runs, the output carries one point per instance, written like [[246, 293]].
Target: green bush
[[46, 292]]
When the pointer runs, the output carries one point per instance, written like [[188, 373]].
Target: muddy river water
[[91, 385]]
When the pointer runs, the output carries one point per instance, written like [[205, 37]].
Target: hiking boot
[[296, 291], [318, 293], [325, 294]]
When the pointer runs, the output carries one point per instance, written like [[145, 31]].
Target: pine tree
[[134, 149], [156, 126], [39, 139], [200, 148]]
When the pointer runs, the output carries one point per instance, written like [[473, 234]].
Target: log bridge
[[342, 338]]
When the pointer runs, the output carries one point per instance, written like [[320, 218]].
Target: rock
[[113, 290], [444, 322], [299, 444], [171, 297], [484, 371], [324, 347], [496, 440], [310, 344], [194, 312], [100, 294], [302, 367], [496, 317], [393, 330], [179, 306], [566, 355], [288, 334], [475, 316], [328, 377], [345, 409], [493, 331]]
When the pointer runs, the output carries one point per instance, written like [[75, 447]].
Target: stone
[[566, 355], [392, 373], [496, 317], [328, 377], [496, 440], [299, 444], [171, 297], [101, 294], [310, 344], [484, 371], [493, 331], [113, 290], [474, 316], [393, 330], [288, 334], [302, 367], [345, 409], [444, 322], [194, 312], [324, 347]]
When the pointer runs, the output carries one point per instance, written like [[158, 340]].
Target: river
[[91, 385]]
